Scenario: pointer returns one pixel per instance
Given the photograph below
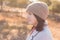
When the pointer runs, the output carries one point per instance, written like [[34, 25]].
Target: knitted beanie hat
[[38, 8]]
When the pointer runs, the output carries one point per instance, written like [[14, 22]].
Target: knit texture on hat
[[38, 8]]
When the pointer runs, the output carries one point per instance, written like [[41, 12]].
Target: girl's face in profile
[[31, 19]]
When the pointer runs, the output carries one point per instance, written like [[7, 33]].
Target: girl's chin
[[29, 27]]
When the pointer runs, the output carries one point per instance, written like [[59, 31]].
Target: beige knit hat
[[38, 8]]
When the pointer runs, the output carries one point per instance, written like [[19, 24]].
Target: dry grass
[[55, 29]]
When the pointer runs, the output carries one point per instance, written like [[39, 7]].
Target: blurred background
[[13, 24]]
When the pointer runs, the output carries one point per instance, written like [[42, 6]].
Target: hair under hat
[[38, 8]]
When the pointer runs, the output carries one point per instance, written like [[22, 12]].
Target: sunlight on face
[[31, 19]]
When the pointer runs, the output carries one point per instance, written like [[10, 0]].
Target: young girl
[[38, 13]]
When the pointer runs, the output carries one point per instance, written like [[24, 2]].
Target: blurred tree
[[22, 3], [47, 1], [1, 3], [12, 3], [56, 6], [17, 3]]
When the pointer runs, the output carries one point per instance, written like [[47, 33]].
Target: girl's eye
[[30, 13]]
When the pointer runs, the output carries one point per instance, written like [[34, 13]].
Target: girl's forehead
[[30, 13]]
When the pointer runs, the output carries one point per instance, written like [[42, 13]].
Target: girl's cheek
[[31, 21]]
